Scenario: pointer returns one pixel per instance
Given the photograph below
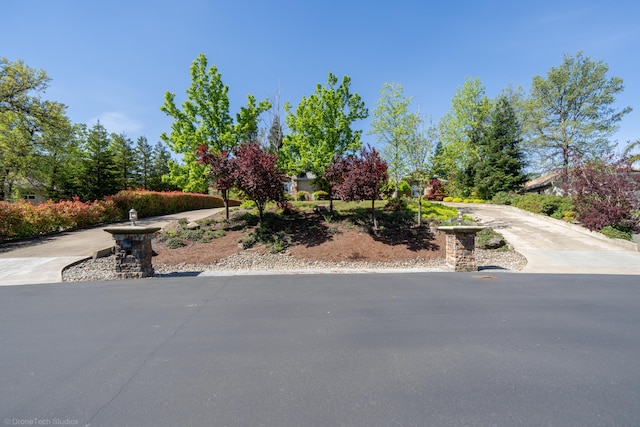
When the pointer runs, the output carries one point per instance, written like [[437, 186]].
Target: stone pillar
[[133, 251], [460, 247]]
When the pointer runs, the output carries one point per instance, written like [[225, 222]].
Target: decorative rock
[[103, 268], [193, 226], [494, 243]]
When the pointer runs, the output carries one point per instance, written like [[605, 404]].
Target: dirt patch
[[313, 239]]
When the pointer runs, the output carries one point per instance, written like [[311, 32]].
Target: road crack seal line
[[155, 350]]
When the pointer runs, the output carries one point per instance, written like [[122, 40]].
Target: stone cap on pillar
[[462, 229], [131, 229]]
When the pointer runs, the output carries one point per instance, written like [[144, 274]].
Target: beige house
[[27, 191], [301, 182]]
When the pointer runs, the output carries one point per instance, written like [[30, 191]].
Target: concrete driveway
[[42, 260], [554, 246]]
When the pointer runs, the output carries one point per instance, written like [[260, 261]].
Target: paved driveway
[[428, 349], [552, 246], [42, 260]]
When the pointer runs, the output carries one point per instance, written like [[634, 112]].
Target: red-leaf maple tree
[[604, 193], [358, 177], [221, 171], [257, 175]]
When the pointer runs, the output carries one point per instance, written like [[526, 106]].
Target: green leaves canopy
[[320, 128], [570, 111], [205, 119]]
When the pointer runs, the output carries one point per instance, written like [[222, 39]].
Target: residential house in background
[[304, 181]]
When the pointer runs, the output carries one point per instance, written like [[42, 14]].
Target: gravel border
[[102, 269]]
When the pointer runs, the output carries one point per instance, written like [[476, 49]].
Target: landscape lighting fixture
[[133, 216]]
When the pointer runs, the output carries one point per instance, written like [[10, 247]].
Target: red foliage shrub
[[604, 193], [21, 219], [257, 175]]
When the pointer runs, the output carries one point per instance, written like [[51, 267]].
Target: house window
[[29, 197], [287, 187]]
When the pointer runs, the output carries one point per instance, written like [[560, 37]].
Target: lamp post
[[133, 216]]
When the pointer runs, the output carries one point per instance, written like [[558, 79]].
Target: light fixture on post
[[133, 216]]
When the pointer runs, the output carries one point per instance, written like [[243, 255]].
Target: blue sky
[[114, 60]]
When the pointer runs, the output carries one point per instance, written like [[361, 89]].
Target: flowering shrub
[[21, 219]]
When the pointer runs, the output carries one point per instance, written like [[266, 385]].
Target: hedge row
[[153, 203], [21, 220], [557, 207]]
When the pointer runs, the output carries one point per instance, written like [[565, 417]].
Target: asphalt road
[[435, 349]]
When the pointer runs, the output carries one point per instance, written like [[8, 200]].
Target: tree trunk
[[225, 199], [373, 214], [420, 210]]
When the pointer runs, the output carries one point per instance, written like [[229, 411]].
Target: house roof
[[542, 181]]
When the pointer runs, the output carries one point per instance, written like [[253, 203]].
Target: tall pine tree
[[501, 164]]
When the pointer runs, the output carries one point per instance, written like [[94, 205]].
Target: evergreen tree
[[275, 136], [124, 160], [158, 177], [501, 164], [571, 113], [60, 158], [98, 175], [143, 154]]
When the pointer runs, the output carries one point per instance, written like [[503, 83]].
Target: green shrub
[[436, 211], [457, 200], [174, 242], [320, 195], [248, 204], [302, 196], [448, 199], [502, 198], [613, 232], [394, 205]]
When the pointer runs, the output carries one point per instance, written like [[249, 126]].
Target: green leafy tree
[[501, 159], [570, 113], [393, 124], [460, 131], [419, 148], [25, 119], [321, 128], [59, 159], [205, 119], [631, 147]]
